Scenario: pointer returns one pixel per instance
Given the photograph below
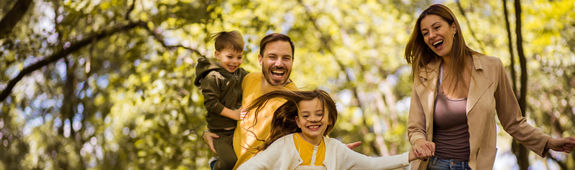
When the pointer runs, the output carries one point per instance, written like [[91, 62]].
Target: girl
[[297, 139]]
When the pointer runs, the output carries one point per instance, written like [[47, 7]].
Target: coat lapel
[[426, 90], [479, 83]]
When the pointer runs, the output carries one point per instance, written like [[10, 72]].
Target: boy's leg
[[224, 147]]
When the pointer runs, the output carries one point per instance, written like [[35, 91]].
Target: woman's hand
[[423, 149], [562, 144]]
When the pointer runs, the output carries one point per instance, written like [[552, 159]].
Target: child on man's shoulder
[[220, 84]]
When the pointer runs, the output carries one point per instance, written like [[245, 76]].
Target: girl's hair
[[419, 54], [284, 118], [231, 39]]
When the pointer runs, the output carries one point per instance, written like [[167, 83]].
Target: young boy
[[220, 84]]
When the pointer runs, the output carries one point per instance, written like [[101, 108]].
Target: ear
[[297, 122], [454, 29], [217, 55], [260, 59]]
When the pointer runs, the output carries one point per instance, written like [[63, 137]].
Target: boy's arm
[[210, 87], [232, 114]]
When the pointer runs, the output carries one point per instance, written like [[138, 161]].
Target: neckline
[[440, 88]]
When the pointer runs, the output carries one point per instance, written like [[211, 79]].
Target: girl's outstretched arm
[[354, 160]]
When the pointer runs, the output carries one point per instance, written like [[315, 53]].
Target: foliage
[[125, 99]]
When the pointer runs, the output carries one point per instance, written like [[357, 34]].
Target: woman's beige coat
[[489, 93]]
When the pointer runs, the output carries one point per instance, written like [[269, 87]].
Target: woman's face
[[311, 119], [438, 34]]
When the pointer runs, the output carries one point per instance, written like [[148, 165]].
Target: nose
[[314, 118], [432, 34], [277, 63]]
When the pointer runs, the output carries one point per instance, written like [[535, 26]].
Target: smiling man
[[276, 58]]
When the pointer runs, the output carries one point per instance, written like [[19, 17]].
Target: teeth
[[277, 72], [435, 43], [313, 127]]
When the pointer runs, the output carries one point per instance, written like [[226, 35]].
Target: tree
[[107, 84], [13, 17]]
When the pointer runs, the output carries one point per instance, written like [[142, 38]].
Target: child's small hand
[[353, 145], [413, 155], [243, 114]]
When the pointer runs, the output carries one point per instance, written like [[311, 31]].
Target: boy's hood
[[204, 67]]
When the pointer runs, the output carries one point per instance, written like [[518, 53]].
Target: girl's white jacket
[[282, 154]]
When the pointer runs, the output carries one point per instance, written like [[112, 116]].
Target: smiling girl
[[298, 137]]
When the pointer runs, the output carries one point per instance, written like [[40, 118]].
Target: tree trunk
[[13, 17], [520, 151], [510, 46]]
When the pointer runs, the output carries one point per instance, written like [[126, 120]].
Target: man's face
[[276, 62]]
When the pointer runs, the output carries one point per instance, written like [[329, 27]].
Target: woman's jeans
[[447, 164]]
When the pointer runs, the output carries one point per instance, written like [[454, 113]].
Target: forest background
[[100, 84]]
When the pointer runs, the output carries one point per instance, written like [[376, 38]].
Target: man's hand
[[561, 144], [209, 139], [423, 148], [353, 145]]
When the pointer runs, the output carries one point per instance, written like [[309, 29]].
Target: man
[[276, 58]]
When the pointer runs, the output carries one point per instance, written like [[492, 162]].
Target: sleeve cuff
[[405, 159]]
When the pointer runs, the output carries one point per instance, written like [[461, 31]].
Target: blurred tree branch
[[130, 9], [326, 43], [481, 45], [561, 164], [75, 46], [160, 38], [13, 16]]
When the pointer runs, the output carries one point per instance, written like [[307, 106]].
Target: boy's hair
[[231, 39], [284, 118]]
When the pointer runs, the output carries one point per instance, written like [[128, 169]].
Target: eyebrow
[[431, 25]]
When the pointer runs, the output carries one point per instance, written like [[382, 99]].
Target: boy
[[220, 84]]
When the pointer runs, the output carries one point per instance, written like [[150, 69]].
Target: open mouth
[[438, 44], [232, 67], [278, 72], [313, 127]]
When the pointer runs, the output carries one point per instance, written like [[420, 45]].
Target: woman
[[456, 94]]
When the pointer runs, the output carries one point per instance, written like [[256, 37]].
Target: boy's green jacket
[[220, 89]]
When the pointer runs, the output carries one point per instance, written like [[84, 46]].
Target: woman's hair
[[419, 54], [284, 118]]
